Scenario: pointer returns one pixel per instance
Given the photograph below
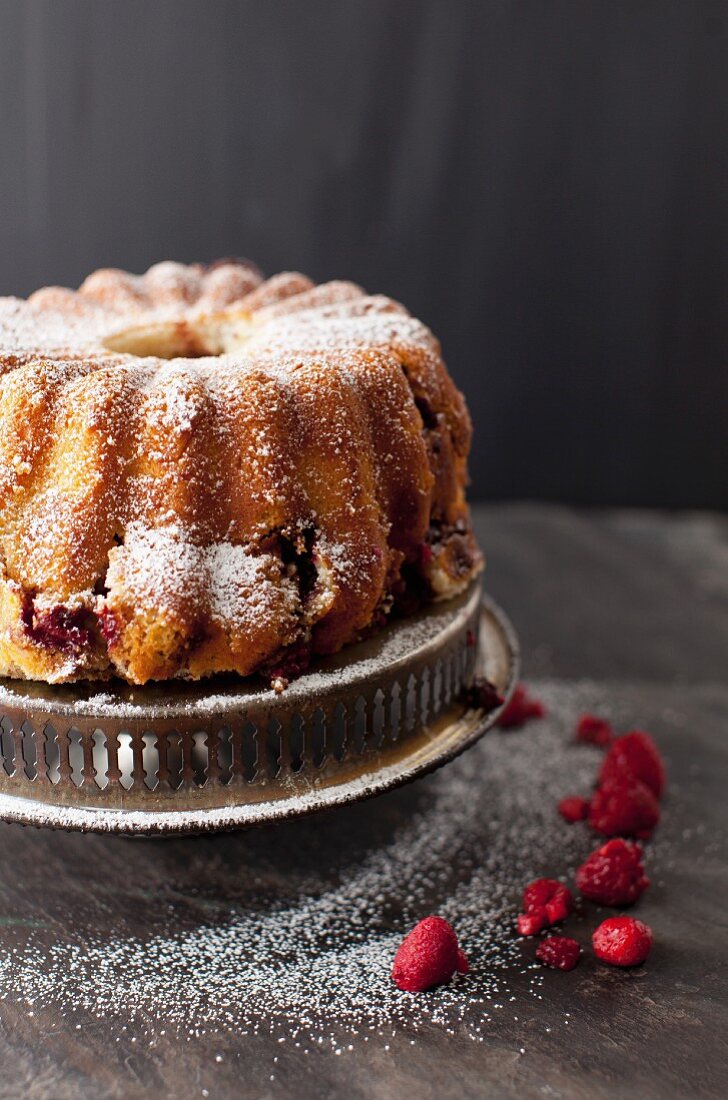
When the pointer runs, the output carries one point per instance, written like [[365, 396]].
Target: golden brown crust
[[203, 471]]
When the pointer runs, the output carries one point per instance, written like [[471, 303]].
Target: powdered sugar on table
[[303, 948]]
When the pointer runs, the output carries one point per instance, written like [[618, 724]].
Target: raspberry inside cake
[[204, 471]]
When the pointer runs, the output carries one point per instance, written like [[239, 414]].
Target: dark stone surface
[[636, 603]]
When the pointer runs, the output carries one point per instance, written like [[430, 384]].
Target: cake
[[202, 471]]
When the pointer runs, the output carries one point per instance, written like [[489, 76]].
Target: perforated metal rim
[[371, 769]]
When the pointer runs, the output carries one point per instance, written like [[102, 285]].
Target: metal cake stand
[[189, 758]]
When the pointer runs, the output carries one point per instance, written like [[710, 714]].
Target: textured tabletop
[[256, 964]]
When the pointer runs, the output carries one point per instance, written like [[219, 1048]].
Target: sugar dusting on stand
[[307, 954]]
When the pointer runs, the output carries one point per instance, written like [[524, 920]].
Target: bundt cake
[[203, 471]]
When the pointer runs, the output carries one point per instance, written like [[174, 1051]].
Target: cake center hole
[[165, 340], [183, 339]]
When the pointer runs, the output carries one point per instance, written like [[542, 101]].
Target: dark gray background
[[544, 183]]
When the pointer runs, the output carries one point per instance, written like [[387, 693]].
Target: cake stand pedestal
[[170, 759]]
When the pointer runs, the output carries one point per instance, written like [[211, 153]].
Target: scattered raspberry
[[428, 956], [635, 754], [622, 941], [545, 902], [559, 907], [543, 893], [613, 874], [561, 952], [530, 924], [483, 694], [624, 808], [594, 731], [520, 708], [574, 808]]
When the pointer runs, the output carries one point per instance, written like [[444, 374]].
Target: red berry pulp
[[622, 941], [520, 708], [574, 808], [613, 874], [530, 924], [635, 754], [545, 902], [560, 952], [483, 694], [428, 956], [594, 731], [624, 807]]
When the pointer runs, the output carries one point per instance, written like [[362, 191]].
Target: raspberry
[[428, 956], [561, 952], [290, 663], [635, 754], [622, 941], [483, 695], [543, 890], [520, 708], [594, 731], [110, 627], [530, 924], [574, 808], [624, 808], [59, 627], [545, 901], [613, 874], [559, 907]]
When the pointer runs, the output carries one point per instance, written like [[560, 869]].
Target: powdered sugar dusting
[[397, 645], [305, 952], [239, 411], [161, 569]]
